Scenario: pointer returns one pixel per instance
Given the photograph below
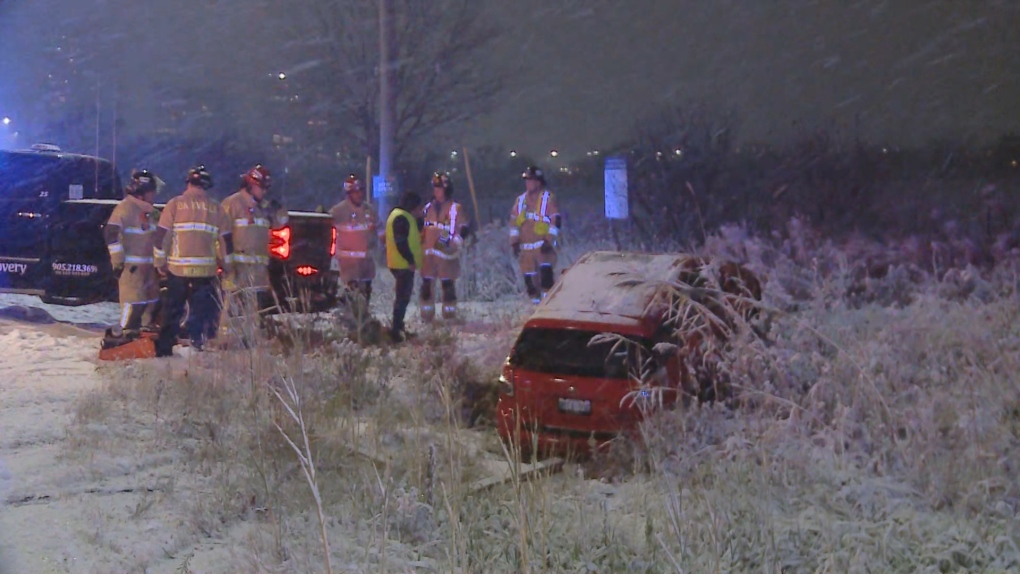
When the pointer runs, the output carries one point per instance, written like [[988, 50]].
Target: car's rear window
[[570, 352]]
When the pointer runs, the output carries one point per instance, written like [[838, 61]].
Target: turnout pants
[[427, 306], [136, 316]]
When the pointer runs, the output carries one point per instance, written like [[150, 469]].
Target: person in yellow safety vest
[[355, 221], [252, 216], [403, 256], [446, 227], [534, 233], [190, 228], [130, 233]]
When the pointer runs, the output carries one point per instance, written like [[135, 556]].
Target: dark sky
[[900, 71]]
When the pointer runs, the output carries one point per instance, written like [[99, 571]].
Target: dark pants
[[405, 285], [202, 296]]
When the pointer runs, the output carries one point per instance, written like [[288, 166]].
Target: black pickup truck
[[53, 206]]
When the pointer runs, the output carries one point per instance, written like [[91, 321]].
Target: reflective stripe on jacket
[[531, 218], [355, 228], [131, 232], [250, 225], [194, 223]]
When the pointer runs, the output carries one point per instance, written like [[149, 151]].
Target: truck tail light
[[306, 270], [332, 245], [279, 242]]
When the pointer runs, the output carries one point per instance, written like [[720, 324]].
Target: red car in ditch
[[600, 350]]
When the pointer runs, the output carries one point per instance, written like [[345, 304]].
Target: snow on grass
[[95, 314]]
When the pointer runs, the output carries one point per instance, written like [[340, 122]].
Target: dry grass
[[875, 429]]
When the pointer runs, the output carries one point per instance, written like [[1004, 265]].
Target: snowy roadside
[[56, 511], [43, 370], [86, 315]]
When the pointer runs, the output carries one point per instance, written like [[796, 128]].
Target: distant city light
[[453, 154], [554, 153], [513, 153], [282, 76], [679, 152], [7, 121]]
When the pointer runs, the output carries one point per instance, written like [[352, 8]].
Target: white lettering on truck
[[74, 269], [18, 268]]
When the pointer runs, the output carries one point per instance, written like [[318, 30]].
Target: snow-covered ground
[[95, 314], [43, 369], [50, 504]]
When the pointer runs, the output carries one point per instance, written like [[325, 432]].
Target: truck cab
[[48, 243]]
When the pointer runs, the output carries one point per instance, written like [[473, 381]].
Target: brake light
[[307, 270], [279, 242], [332, 245]]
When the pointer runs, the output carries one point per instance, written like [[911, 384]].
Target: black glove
[[546, 247], [517, 249], [118, 271]]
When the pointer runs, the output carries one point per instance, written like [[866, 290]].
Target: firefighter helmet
[[352, 183], [199, 176], [534, 172], [258, 175], [142, 182], [443, 180]]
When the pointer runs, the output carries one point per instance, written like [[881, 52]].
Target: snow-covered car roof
[[612, 288]]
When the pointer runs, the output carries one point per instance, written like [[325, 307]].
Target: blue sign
[[378, 186], [617, 206]]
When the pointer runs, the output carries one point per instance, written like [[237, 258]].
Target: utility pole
[[384, 194]]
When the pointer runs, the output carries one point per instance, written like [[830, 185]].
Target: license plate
[[334, 265], [575, 406]]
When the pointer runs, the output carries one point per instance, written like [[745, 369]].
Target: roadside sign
[[617, 206]]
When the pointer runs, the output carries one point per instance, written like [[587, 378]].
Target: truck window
[[568, 352]]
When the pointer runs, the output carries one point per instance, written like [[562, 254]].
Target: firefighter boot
[[545, 274], [533, 292], [449, 300]]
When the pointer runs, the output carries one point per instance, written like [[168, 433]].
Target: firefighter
[[185, 251], [130, 233], [446, 226], [252, 216], [355, 221], [534, 232], [403, 256]]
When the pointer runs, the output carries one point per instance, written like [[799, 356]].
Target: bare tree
[[441, 71]]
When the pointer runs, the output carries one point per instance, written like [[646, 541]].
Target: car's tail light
[[307, 270], [279, 242], [332, 245]]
